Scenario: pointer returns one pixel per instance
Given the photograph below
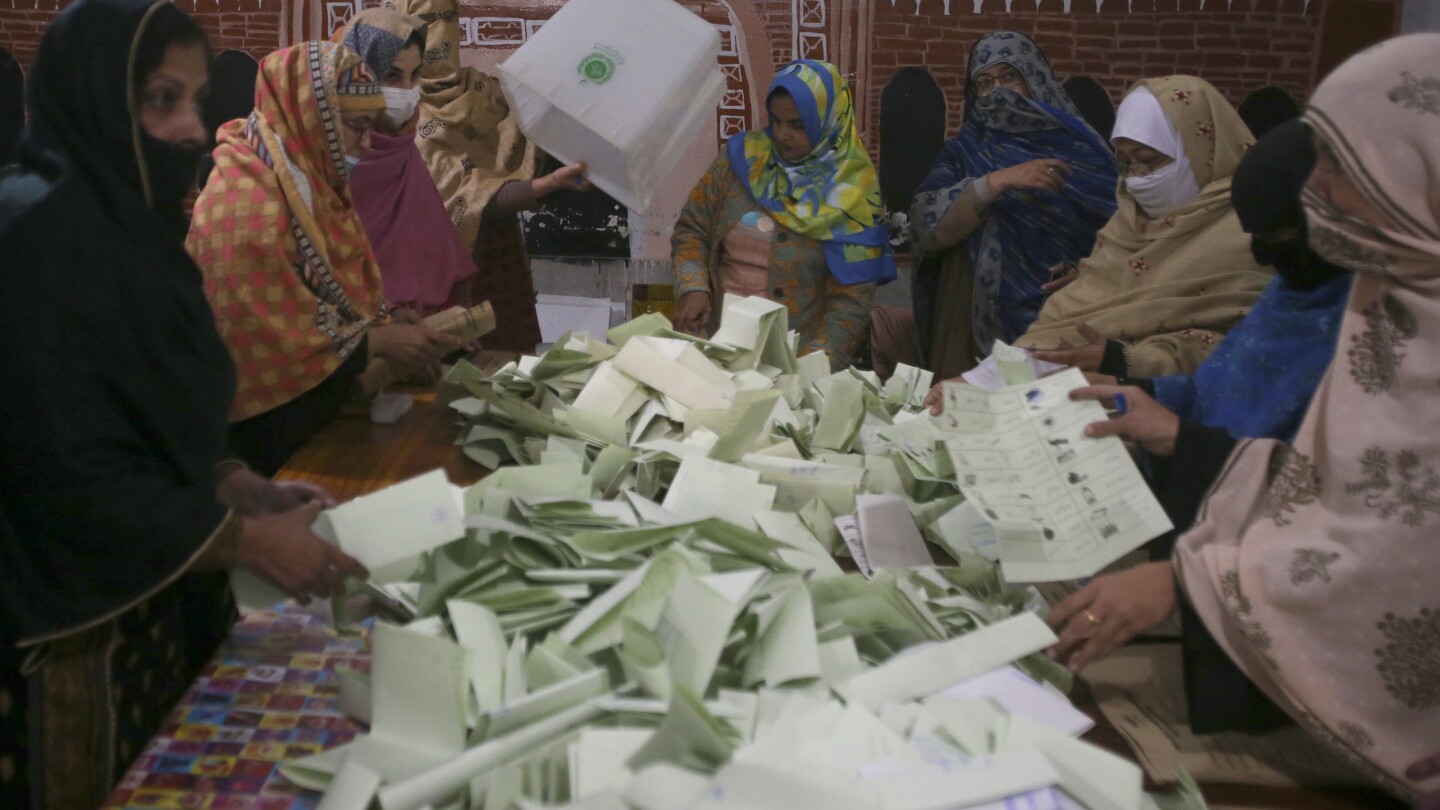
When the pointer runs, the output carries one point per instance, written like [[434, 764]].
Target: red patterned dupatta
[[288, 268]]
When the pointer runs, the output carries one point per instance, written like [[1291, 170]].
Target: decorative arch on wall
[[301, 20], [746, 78], [232, 87], [12, 107], [912, 133]]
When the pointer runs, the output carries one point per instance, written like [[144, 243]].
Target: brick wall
[[21, 28], [1236, 46], [252, 26]]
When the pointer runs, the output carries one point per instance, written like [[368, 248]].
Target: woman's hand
[[282, 549], [1427, 768], [1085, 358], [253, 495], [565, 178], [1042, 174], [1061, 275], [1145, 421], [935, 400], [1113, 609], [692, 313], [282, 496], [408, 315], [415, 349]]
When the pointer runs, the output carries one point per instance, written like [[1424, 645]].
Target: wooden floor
[[352, 457]]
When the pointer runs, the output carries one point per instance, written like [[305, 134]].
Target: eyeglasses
[[432, 16], [1009, 77], [1128, 168]]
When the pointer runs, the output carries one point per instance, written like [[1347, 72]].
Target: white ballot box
[[624, 85]]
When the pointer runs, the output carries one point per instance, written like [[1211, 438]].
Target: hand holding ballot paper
[[463, 325], [1064, 504]]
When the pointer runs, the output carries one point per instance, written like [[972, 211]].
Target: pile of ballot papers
[[640, 608]]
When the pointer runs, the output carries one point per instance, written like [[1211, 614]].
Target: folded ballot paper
[[1063, 505], [389, 527], [639, 608], [1008, 365]]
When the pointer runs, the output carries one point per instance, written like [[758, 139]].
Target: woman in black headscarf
[[118, 510], [1267, 108], [1094, 103]]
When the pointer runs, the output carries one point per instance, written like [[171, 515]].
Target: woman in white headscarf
[[1172, 270]]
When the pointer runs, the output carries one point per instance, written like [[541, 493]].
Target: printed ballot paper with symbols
[[1063, 505]]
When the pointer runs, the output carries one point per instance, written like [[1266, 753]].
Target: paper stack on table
[[643, 612]]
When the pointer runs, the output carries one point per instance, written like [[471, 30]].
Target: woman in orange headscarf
[[288, 268]]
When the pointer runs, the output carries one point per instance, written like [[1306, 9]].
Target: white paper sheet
[[419, 686], [401, 521], [1019, 694], [646, 360], [929, 669], [1008, 365], [704, 488], [353, 788], [849, 528], [889, 533], [1012, 773], [1063, 505], [559, 314]]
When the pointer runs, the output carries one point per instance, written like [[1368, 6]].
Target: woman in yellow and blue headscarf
[[790, 213]]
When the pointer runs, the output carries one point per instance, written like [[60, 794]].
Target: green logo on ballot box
[[600, 64]]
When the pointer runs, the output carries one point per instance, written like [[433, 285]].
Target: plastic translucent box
[[624, 85]]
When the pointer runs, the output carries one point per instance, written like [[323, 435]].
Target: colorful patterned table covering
[[270, 695]]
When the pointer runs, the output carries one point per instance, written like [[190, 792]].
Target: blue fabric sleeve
[[1176, 393]]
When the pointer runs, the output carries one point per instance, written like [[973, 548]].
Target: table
[[354, 456], [271, 692], [269, 695]]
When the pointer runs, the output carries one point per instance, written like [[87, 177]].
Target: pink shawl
[[420, 252]]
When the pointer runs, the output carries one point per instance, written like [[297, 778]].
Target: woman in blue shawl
[[1018, 194], [1259, 380]]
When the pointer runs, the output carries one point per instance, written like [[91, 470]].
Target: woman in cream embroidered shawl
[[1313, 564], [483, 164], [1172, 270]]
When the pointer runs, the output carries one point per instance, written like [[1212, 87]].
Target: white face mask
[[400, 104], [1165, 189]]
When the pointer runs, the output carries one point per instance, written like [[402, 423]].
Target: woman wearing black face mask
[[1257, 384], [118, 509], [1259, 380]]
